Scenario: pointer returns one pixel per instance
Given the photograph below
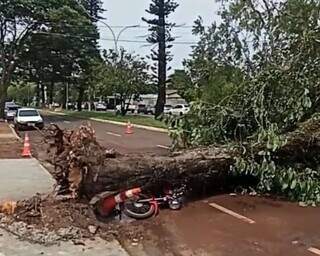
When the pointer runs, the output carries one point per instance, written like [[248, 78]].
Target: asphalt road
[[113, 136]]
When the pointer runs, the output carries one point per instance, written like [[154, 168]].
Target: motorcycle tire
[[138, 211]]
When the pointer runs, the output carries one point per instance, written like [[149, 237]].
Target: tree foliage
[[271, 50], [57, 45], [94, 8]]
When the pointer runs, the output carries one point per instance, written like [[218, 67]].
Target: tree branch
[[257, 12]]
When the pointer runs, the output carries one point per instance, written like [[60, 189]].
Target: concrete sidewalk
[[10, 246], [23, 178]]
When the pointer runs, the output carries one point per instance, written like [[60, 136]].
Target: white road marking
[[162, 146], [233, 214], [114, 134], [67, 122], [314, 250]]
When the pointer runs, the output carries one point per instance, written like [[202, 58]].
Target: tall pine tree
[[160, 34], [94, 8]]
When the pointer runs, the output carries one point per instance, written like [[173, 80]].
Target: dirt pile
[[48, 220]]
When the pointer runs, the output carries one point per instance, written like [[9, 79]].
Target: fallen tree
[[84, 167]]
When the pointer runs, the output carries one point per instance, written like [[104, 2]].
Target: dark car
[[142, 109]]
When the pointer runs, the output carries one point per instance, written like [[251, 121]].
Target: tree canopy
[[46, 41]]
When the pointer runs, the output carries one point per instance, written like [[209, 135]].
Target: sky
[[129, 12]]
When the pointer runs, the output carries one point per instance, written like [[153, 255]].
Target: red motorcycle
[[133, 203]]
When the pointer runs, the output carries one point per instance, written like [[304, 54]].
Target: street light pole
[[116, 38]]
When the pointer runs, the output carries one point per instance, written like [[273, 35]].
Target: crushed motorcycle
[[135, 204]]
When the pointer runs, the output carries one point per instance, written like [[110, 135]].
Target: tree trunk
[[82, 165], [123, 105], [152, 173], [38, 92], [6, 75], [43, 95], [51, 90], [3, 98], [162, 62], [80, 97], [64, 96]]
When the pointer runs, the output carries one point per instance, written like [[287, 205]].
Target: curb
[[15, 133], [144, 127], [149, 128], [54, 113]]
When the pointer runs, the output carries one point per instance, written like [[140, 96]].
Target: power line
[[111, 40], [112, 26]]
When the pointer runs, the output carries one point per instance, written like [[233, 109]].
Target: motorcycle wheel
[[139, 211]]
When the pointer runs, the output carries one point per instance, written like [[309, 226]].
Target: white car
[[101, 107], [179, 110], [28, 118], [167, 109]]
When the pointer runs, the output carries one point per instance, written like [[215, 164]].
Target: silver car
[[11, 112]]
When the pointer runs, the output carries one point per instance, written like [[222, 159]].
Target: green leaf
[[293, 184]]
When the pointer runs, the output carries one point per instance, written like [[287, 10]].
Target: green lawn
[[134, 119]]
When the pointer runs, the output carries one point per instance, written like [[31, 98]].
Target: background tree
[[61, 53], [181, 81], [18, 19], [124, 75], [22, 93], [23, 28], [160, 30]]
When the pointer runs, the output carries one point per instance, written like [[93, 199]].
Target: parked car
[[142, 108], [72, 106], [179, 110], [101, 107], [151, 110], [167, 109], [28, 118], [7, 105], [132, 108], [11, 112], [146, 109]]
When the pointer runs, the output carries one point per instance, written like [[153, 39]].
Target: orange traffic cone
[[26, 147], [129, 129]]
